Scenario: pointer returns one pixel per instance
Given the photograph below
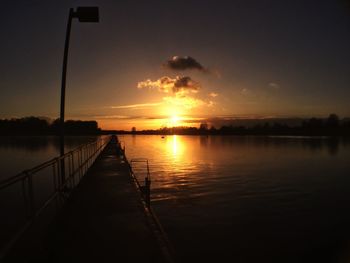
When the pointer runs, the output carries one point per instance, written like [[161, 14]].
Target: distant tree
[[203, 126], [27, 125], [226, 129], [346, 123], [332, 121], [266, 126], [313, 123], [133, 130], [80, 127], [213, 129]]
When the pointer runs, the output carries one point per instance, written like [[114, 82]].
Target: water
[[233, 199], [250, 199], [19, 153]]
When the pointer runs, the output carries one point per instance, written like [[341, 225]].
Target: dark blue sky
[[267, 58]]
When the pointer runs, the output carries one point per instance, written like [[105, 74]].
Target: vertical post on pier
[[148, 187], [84, 14], [148, 191], [63, 92]]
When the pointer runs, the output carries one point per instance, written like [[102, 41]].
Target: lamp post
[[84, 14]]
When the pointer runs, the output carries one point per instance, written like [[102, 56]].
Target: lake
[[242, 198], [250, 199], [18, 153]]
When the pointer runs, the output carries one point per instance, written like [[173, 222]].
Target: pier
[[105, 218]]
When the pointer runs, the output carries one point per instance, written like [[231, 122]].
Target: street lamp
[[84, 14]]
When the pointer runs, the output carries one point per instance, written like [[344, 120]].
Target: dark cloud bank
[[184, 63]]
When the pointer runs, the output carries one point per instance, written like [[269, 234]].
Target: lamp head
[[87, 14]]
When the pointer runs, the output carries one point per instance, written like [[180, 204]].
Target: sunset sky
[[150, 64]]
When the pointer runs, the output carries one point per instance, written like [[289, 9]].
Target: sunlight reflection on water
[[249, 197]]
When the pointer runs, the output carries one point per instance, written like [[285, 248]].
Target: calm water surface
[[233, 199], [19, 153], [250, 199]]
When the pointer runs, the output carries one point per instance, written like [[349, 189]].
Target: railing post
[[55, 172], [72, 168], [80, 163], [148, 191], [25, 197], [31, 203]]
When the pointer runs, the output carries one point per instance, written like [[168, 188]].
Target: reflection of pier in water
[[38, 143]]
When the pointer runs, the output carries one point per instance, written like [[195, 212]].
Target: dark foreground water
[[18, 153], [233, 199], [250, 199]]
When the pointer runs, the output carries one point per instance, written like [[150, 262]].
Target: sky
[[151, 64]]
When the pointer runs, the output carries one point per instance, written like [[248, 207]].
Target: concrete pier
[[104, 219]]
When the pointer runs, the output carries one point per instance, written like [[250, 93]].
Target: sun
[[175, 120], [173, 116]]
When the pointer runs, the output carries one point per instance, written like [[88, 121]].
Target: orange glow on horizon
[[172, 116], [170, 120]]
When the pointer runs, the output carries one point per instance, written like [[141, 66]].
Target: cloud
[[274, 86], [213, 94], [135, 106], [124, 117], [183, 83], [180, 92], [166, 84], [247, 92], [186, 102], [119, 117], [184, 63]]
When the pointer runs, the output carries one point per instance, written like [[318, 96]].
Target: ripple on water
[[251, 199]]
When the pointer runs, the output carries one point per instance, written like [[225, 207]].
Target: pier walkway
[[104, 219]]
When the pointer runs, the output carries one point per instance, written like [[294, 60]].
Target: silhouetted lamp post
[[84, 14]]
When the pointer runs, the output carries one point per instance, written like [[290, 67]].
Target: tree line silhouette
[[42, 126], [331, 126]]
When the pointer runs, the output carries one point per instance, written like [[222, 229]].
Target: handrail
[[145, 191], [146, 188], [74, 165], [122, 145], [15, 178], [141, 160]]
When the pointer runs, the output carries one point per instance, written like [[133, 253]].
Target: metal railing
[[139, 169], [29, 193], [121, 145]]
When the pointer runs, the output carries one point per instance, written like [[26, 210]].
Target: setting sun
[[174, 120]]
